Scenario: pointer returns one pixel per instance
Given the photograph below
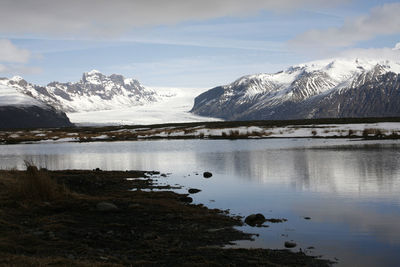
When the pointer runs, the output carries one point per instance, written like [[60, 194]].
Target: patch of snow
[[10, 96], [16, 78], [93, 72], [128, 81], [60, 140], [100, 137]]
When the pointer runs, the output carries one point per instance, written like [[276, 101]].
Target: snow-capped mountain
[[95, 91], [330, 88], [18, 110]]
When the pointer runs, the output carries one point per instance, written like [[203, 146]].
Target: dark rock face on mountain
[[18, 110], [378, 97], [337, 89], [95, 91], [15, 117]]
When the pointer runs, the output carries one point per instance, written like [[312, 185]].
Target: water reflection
[[350, 189], [361, 170]]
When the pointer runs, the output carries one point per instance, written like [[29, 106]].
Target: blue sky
[[187, 43]]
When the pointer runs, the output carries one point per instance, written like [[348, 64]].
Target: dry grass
[[35, 185], [373, 132]]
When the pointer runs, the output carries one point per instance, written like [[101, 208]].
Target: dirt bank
[[95, 220]]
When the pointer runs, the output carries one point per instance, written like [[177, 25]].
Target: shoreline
[[354, 129], [143, 228]]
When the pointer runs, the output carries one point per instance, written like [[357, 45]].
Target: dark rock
[[106, 206], [307, 218], [289, 244], [193, 190], [207, 174], [255, 219], [186, 199]]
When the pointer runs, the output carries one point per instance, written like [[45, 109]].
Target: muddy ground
[[71, 228]]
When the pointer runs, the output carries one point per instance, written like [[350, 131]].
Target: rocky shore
[[93, 218]]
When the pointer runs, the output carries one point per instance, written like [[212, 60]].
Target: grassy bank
[[91, 218], [366, 128]]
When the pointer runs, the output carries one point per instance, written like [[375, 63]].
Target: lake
[[349, 189]]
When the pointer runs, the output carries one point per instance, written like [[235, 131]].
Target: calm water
[[350, 189]]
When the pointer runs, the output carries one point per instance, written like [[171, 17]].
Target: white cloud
[[13, 60], [104, 17], [385, 53], [22, 70], [11, 53], [382, 20]]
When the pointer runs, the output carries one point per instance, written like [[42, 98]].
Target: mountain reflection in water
[[350, 189]]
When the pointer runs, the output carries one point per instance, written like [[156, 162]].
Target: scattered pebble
[[106, 206], [207, 174], [194, 191], [255, 219], [289, 244]]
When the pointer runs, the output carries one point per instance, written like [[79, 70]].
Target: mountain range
[[321, 89], [95, 91], [331, 88], [25, 105]]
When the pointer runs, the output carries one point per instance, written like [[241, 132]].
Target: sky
[[188, 43]]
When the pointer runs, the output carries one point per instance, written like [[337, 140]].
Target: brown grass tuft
[[36, 185]]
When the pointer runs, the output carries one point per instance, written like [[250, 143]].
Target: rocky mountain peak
[[310, 90], [93, 77], [95, 91], [18, 80]]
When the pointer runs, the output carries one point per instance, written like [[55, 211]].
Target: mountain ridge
[[94, 91], [306, 91]]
